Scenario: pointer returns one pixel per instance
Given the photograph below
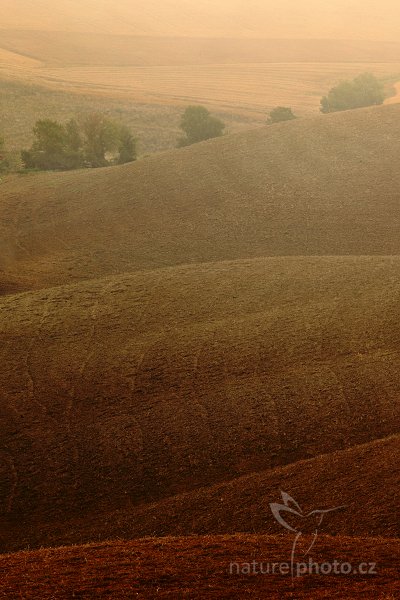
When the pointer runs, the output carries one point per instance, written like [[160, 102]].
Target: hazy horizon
[[344, 20]]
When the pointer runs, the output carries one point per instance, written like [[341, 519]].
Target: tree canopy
[[95, 142], [364, 90], [198, 125], [280, 113]]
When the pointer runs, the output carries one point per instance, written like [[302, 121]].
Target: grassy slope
[[132, 388], [197, 568], [322, 186]]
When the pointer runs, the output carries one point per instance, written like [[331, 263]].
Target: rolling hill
[[157, 57], [360, 479], [125, 390], [186, 337], [320, 186], [183, 337]]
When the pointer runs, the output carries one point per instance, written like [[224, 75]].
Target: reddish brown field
[[242, 504], [198, 568]]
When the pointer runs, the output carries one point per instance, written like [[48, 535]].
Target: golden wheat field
[[147, 81], [240, 76], [263, 78], [155, 125], [249, 89]]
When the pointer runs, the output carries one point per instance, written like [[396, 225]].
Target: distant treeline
[[95, 141], [98, 141]]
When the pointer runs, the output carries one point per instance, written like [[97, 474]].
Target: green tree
[[54, 147], [364, 90], [101, 138], [127, 147], [97, 142], [280, 113], [47, 150], [73, 152], [199, 125], [73, 136]]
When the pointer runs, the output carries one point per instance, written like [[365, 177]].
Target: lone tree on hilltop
[[279, 114], [199, 125], [364, 90]]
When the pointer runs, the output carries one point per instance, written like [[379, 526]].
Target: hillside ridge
[[326, 185]]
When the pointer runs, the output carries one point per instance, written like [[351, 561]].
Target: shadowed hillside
[[129, 389], [323, 186], [365, 480], [361, 479]]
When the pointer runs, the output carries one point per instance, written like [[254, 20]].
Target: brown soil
[[198, 568], [191, 335], [129, 389], [323, 186]]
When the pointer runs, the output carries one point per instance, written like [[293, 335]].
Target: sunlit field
[[241, 88]]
